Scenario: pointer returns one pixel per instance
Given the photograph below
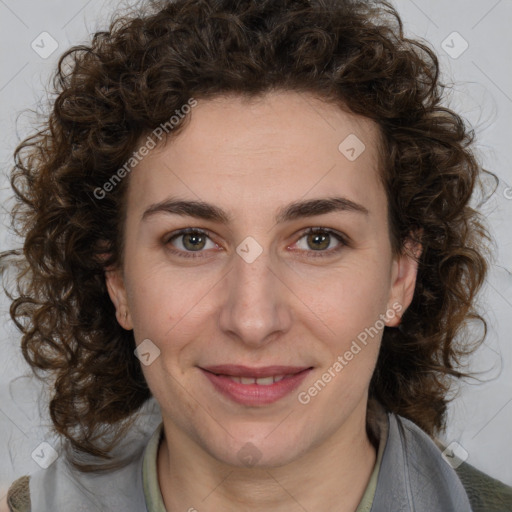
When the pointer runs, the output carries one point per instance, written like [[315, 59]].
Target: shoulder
[[485, 493], [18, 496]]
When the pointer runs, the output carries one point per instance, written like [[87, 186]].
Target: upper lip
[[247, 371]]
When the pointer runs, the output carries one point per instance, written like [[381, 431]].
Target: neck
[[331, 476]]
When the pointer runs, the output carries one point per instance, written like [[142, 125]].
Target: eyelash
[[313, 230]]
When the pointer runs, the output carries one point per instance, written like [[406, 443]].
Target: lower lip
[[255, 394]]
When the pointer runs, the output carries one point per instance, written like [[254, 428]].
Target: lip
[[255, 394], [236, 370]]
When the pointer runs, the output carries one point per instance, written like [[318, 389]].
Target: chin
[[258, 451]]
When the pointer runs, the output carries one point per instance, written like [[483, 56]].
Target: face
[[247, 291]]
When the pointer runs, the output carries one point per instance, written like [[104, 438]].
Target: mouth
[[255, 386]]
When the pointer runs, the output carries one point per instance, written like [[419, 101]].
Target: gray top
[[413, 477]]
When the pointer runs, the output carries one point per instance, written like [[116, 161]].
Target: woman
[[258, 214]]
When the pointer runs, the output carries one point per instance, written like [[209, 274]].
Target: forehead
[[276, 148]]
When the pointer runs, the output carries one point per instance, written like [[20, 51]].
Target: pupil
[[317, 237], [196, 241]]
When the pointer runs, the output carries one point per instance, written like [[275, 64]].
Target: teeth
[[263, 381]]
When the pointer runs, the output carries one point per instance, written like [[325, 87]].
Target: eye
[[189, 241], [319, 240], [186, 242]]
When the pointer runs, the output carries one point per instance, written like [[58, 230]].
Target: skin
[[288, 307]]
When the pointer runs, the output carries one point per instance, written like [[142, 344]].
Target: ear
[[117, 292], [403, 283]]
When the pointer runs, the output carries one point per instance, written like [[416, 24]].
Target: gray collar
[[413, 476]]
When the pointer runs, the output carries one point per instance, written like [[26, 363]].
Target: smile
[[254, 386], [262, 381]]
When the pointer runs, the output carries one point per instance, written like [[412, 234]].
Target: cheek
[[157, 295], [350, 296], [169, 308], [348, 307]]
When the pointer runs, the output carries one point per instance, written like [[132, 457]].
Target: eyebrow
[[290, 212]]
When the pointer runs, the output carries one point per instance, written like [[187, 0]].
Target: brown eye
[[190, 240], [323, 241], [193, 241], [318, 241]]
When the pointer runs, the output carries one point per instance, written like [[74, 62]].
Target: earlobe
[[117, 292], [404, 283]]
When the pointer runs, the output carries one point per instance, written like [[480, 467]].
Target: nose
[[255, 306]]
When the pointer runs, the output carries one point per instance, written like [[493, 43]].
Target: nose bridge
[[254, 304]]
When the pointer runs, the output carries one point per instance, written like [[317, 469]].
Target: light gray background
[[481, 417]]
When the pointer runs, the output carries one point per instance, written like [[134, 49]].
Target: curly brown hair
[[132, 78]]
